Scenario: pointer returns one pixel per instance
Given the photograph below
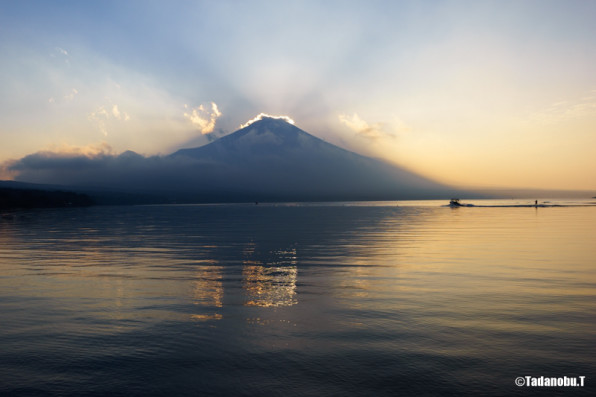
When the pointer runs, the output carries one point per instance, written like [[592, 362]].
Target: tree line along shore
[[14, 198]]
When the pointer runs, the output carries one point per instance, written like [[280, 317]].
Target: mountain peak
[[264, 116], [266, 121], [261, 136], [275, 126]]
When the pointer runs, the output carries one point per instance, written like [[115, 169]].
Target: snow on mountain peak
[[262, 116]]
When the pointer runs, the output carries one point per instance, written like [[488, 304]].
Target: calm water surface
[[297, 300]]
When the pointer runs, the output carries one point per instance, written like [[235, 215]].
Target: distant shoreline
[[17, 198], [24, 196]]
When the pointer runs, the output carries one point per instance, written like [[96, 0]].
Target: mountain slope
[[277, 160]]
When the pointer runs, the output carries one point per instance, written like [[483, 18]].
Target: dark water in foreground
[[311, 300]]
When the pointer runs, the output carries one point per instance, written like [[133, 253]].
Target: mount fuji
[[272, 159], [268, 160]]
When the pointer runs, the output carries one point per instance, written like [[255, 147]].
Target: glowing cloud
[[361, 127], [54, 154], [119, 115], [261, 116], [102, 116], [203, 118], [91, 151]]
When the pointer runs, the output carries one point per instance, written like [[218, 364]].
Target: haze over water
[[315, 299]]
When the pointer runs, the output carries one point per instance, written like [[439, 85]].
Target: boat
[[454, 202]]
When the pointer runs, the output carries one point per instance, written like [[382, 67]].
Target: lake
[[331, 299]]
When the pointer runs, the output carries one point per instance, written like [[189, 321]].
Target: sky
[[469, 93]]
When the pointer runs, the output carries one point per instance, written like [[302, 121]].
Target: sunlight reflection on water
[[311, 299]]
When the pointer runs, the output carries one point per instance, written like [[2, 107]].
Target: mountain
[[272, 159], [269, 160]]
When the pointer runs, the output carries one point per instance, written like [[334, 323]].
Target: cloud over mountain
[[202, 117], [361, 127]]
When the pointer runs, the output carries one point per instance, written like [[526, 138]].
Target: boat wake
[[455, 203]]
